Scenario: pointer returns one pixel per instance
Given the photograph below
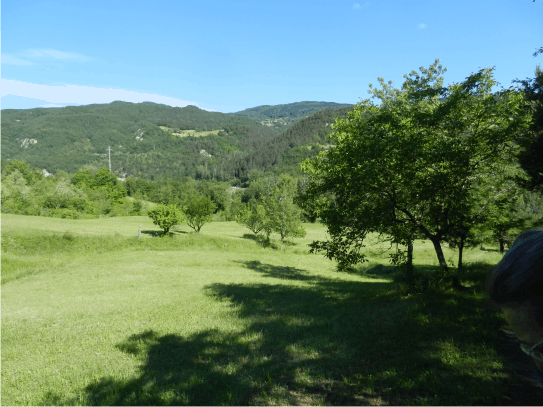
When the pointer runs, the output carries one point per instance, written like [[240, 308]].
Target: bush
[[165, 216]]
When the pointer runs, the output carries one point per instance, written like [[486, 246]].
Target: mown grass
[[92, 315]]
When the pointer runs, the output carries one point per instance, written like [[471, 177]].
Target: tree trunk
[[460, 249], [502, 248], [455, 279], [439, 253], [410, 255]]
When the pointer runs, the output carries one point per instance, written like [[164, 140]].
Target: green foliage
[[199, 210], [530, 156], [104, 178], [493, 209], [282, 215], [85, 194], [165, 216], [16, 194], [253, 216], [31, 175], [413, 160], [84, 178]]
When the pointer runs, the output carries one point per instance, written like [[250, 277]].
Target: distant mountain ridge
[[150, 140], [283, 116]]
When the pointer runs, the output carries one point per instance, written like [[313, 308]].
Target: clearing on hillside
[[187, 133]]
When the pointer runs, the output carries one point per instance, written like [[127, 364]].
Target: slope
[[283, 116], [72, 137]]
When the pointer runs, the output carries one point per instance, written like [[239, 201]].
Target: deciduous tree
[[282, 215], [253, 216], [198, 210], [531, 156], [412, 159], [165, 216]]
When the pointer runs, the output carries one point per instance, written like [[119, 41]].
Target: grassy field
[[193, 133], [92, 315]]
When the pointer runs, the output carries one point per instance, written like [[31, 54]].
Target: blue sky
[[231, 55]]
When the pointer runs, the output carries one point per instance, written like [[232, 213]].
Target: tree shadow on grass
[[376, 271], [495, 250], [332, 342], [390, 272], [160, 233], [261, 241], [282, 272]]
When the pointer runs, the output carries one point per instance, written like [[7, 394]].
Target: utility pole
[[109, 153]]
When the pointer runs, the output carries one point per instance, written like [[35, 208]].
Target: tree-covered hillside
[[284, 152], [152, 141], [283, 116]]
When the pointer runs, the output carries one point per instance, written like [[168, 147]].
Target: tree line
[[266, 207]]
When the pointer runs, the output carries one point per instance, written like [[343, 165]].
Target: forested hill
[[150, 140], [147, 139], [303, 140], [283, 116]]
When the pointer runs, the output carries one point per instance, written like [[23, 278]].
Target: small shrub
[[165, 216]]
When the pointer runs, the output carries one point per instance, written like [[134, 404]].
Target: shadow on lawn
[[261, 241], [330, 342], [269, 270], [265, 242], [160, 233]]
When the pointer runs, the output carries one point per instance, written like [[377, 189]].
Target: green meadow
[[94, 315], [193, 133]]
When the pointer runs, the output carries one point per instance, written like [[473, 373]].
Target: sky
[[231, 55]]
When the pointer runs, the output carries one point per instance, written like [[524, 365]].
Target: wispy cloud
[[9, 60], [82, 95], [357, 6], [53, 54], [33, 56], [422, 26]]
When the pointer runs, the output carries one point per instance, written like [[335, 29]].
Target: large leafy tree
[[531, 157], [490, 210], [411, 162]]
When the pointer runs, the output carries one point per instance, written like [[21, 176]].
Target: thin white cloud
[[82, 95], [9, 60], [422, 26], [53, 54], [357, 6]]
